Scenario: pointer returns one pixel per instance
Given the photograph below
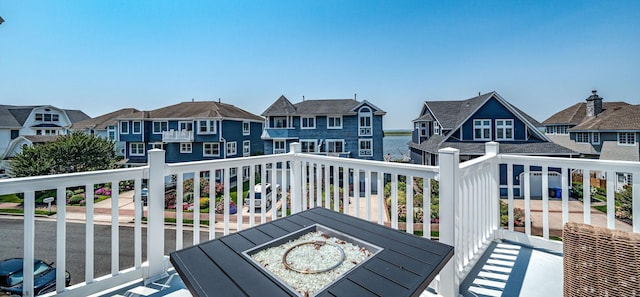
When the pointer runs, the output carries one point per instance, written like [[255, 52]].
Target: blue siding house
[[468, 124], [338, 127], [191, 131]]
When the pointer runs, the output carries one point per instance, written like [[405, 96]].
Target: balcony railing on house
[[177, 136], [394, 194]]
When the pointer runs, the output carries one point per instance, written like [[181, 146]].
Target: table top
[[405, 267]]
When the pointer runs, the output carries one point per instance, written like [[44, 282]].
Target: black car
[[44, 277]]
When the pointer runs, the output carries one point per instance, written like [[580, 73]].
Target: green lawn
[[10, 198]]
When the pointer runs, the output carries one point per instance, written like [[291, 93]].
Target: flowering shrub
[[518, 215], [204, 202], [220, 207]]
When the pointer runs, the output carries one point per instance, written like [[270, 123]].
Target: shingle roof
[[621, 117], [575, 114], [436, 142], [450, 114], [15, 116], [283, 106], [101, 122], [196, 109]]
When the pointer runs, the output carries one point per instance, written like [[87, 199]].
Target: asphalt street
[[11, 244]]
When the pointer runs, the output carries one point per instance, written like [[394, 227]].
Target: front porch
[[468, 211]]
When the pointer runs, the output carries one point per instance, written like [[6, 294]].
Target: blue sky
[[100, 56]]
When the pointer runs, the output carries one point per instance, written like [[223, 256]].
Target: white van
[[257, 189]]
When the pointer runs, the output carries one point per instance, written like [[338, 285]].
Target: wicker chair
[[600, 262]]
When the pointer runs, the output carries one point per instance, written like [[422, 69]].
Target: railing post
[[493, 148], [449, 161], [155, 219], [296, 178]]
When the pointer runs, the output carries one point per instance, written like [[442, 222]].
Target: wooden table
[[405, 267]]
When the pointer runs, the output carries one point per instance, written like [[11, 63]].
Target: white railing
[[468, 203], [177, 136], [30, 185]]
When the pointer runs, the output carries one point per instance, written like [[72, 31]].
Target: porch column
[[493, 149], [296, 178], [449, 160], [155, 217]]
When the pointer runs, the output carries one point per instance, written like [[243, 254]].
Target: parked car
[[257, 189], [44, 277], [144, 195]]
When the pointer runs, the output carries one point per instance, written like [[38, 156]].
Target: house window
[[279, 146], [626, 138], [47, 132], [551, 130], [136, 127], [246, 128], [334, 122], [504, 129], [481, 129], [159, 126], [562, 130], [423, 129], [157, 145], [211, 149], [246, 148], [280, 122], [186, 147], [111, 132], [124, 127], [366, 147], [595, 137], [335, 146], [47, 117], [308, 122], [233, 171], [364, 122], [206, 127], [436, 128], [231, 148], [185, 126], [308, 146], [136, 149], [582, 137]]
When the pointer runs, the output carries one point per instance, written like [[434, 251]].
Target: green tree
[[75, 152]]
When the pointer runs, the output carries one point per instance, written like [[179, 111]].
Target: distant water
[[396, 146]]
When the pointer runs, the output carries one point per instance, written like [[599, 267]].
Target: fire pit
[[309, 260], [393, 263]]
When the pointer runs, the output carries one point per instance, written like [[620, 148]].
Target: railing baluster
[[426, 207], [545, 202], [252, 202], [381, 210], [356, 191], [115, 227], [227, 198], [89, 237], [239, 200], [611, 207], [586, 195], [263, 193], [409, 201], [566, 177], [510, 204], [61, 236], [367, 193], [394, 201], [28, 243], [527, 200], [196, 207], [179, 212], [137, 222], [212, 204]]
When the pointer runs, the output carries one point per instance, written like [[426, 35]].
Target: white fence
[[468, 204]]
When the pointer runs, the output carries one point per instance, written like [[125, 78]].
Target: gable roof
[[12, 116], [576, 114], [283, 106], [195, 109], [620, 117], [280, 107], [101, 122], [452, 114]]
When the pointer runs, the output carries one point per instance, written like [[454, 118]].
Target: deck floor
[[509, 269]]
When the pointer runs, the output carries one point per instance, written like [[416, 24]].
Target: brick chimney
[[594, 104]]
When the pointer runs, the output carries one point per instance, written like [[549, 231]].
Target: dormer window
[[436, 128], [280, 122], [364, 123], [47, 117], [481, 129], [504, 130]]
